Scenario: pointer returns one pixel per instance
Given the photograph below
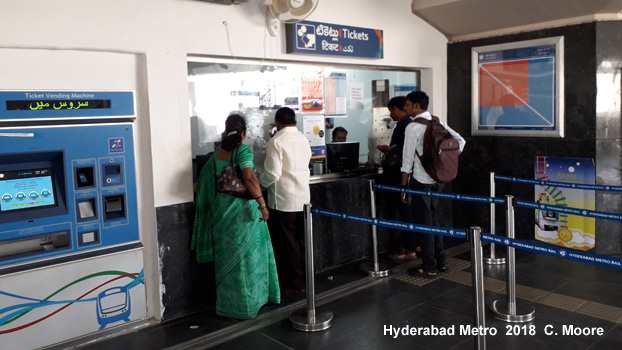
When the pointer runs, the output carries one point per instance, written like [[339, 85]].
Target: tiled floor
[[562, 292]]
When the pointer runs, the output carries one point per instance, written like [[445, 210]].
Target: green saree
[[227, 231]]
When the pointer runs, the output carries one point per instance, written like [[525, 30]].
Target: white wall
[[166, 31]]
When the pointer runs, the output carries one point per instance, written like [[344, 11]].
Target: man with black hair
[[340, 134], [415, 176], [286, 176], [392, 176]]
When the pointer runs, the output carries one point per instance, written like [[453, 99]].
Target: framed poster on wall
[[518, 88]]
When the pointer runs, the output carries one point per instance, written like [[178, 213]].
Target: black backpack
[[440, 151]]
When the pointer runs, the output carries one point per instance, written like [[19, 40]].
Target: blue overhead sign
[[334, 40]]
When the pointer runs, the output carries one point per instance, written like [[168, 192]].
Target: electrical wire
[[224, 23]]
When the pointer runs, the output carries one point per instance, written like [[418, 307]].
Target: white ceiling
[[472, 19]]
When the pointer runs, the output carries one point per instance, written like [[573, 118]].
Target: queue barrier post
[[509, 310], [493, 260], [477, 281], [374, 269], [310, 319]]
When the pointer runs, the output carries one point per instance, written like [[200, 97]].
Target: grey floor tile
[[552, 320], [128, 341], [284, 333], [427, 317], [386, 300], [460, 300], [372, 336], [611, 340], [255, 341]]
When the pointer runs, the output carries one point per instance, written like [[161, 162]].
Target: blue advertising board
[[334, 40]]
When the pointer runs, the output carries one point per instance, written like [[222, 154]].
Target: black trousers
[[401, 211], [424, 213], [288, 240]]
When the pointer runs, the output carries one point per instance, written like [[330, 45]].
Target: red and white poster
[[312, 92]]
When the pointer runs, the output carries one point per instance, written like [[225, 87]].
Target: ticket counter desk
[[338, 242]]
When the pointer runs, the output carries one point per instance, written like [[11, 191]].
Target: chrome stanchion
[[310, 319], [477, 279], [493, 260], [509, 310], [374, 269]]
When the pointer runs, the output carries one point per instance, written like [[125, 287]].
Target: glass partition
[[324, 98]]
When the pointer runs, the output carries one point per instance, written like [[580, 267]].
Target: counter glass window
[[333, 104]]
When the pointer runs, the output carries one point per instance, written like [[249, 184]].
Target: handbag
[[392, 163], [230, 180]]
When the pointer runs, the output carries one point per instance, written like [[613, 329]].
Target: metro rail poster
[[518, 88], [570, 231]]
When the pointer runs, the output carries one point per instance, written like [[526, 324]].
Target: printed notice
[[335, 95], [357, 93]]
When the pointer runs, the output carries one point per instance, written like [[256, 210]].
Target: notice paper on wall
[[313, 129], [335, 95], [357, 94]]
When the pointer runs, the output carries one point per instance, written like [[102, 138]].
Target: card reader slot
[[114, 207]]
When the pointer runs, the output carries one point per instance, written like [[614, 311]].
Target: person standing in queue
[[286, 176], [392, 176], [414, 175], [232, 232]]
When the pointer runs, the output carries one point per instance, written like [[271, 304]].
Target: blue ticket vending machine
[[67, 174]]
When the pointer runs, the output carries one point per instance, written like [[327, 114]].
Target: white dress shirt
[[414, 141], [286, 170]]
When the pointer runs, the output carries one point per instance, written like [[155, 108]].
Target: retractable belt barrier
[[486, 237], [443, 231], [509, 311], [569, 254], [520, 203], [460, 197], [559, 184]]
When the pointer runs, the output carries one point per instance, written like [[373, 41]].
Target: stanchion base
[[323, 320], [384, 269], [495, 261], [524, 312]]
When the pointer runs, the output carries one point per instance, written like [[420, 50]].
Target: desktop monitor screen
[[26, 189], [342, 156]]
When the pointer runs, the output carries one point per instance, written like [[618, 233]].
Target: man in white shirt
[[286, 175], [415, 176]]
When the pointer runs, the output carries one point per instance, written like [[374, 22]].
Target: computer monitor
[[342, 156]]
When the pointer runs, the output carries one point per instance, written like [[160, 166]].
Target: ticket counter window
[[349, 97]]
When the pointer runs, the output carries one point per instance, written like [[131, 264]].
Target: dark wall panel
[[609, 133], [188, 286], [514, 156]]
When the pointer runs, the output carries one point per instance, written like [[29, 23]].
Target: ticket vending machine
[[69, 235]]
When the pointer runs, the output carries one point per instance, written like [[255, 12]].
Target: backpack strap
[[427, 123]]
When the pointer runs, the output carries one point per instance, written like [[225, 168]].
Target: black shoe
[[420, 272], [441, 268]]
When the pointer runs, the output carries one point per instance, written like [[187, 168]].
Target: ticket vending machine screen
[[27, 189]]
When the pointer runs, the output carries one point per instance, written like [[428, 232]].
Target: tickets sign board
[[334, 40]]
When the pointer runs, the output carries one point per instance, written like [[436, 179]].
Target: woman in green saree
[[232, 232]]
